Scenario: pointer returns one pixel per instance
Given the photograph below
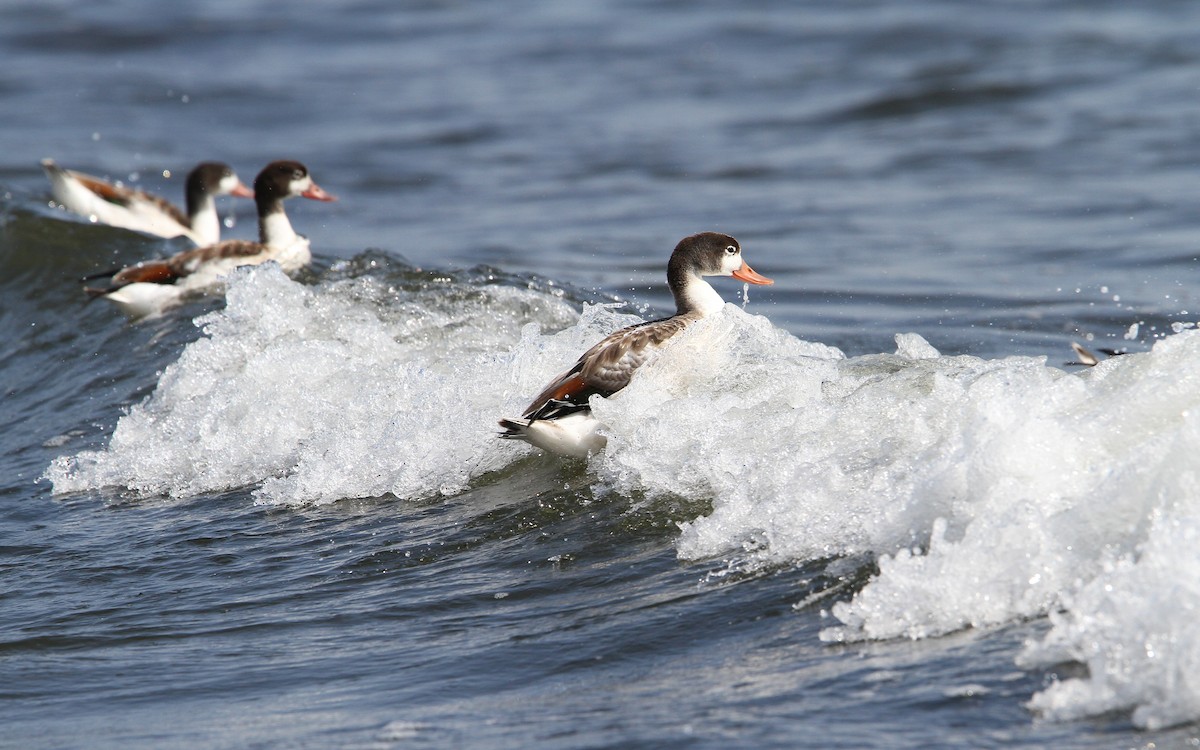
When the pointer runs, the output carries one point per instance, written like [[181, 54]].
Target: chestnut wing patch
[[171, 270], [187, 262], [120, 196], [148, 272], [165, 206], [605, 368], [134, 200], [568, 393]]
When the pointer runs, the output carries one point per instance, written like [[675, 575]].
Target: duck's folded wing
[[154, 205], [137, 201], [146, 272], [609, 365], [187, 262], [605, 368]]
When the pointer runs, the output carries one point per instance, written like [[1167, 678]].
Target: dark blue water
[[310, 556]]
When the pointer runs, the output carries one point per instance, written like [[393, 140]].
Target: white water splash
[[988, 490], [1134, 627], [319, 394]]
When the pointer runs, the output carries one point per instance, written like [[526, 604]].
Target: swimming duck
[[124, 207], [559, 419], [150, 286]]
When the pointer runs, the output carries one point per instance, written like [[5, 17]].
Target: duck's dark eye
[[731, 250]]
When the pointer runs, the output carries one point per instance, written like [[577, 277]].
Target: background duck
[[127, 208], [152, 285]]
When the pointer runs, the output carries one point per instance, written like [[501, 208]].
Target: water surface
[[282, 519]]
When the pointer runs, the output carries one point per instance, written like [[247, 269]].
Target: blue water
[[1002, 179]]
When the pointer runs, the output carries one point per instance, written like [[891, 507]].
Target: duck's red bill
[[750, 276], [317, 194]]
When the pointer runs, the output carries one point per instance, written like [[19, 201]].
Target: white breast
[[295, 256]]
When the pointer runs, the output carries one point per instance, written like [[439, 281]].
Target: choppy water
[[868, 507]]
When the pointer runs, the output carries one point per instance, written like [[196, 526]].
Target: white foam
[[1134, 627], [340, 391], [988, 491]]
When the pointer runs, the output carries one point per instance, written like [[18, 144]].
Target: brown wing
[[167, 207], [172, 269], [187, 262], [609, 365], [121, 196], [568, 392], [146, 272], [605, 368], [127, 197]]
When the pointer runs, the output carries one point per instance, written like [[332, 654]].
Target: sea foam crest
[[986, 490], [1134, 627], [318, 394]]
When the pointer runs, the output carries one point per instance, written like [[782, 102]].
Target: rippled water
[[282, 519]]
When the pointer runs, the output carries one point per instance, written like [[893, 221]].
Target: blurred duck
[[1088, 358], [153, 285], [559, 419], [140, 211]]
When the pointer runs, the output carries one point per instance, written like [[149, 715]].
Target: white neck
[[699, 296], [276, 230], [206, 225]]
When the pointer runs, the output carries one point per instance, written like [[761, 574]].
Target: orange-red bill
[[241, 191], [317, 194], [750, 276]]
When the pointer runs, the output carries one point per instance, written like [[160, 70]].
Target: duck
[[1088, 358], [150, 286], [559, 419], [124, 207]]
